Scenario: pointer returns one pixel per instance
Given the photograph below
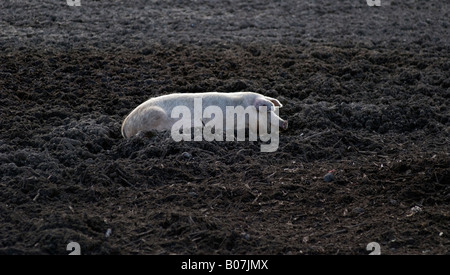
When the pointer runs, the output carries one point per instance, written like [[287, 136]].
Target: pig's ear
[[262, 102], [274, 101]]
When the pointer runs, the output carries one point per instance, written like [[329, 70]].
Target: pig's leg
[[146, 119], [270, 122], [283, 124]]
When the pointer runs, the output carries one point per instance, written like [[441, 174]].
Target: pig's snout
[[284, 124]]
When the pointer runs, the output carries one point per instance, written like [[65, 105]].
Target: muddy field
[[365, 90]]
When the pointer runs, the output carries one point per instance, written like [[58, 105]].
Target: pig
[[156, 113]]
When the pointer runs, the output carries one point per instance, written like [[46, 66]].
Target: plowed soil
[[365, 90]]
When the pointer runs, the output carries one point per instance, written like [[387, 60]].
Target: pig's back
[[168, 102]]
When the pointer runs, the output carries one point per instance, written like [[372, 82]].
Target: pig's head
[[271, 108]]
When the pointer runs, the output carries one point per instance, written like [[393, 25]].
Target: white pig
[[156, 113]]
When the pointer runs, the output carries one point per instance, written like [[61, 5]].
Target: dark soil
[[366, 91]]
